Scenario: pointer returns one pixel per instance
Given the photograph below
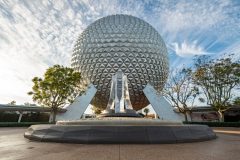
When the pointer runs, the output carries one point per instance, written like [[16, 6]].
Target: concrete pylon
[[79, 106], [160, 105]]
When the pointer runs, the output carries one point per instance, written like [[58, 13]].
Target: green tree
[[180, 91], [59, 86], [13, 103], [146, 111], [236, 101], [29, 104], [217, 78], [96, 110]]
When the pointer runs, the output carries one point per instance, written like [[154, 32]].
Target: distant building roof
[[209, 108], [6, 107]]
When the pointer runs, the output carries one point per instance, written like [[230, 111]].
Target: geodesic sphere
[[121, 42]]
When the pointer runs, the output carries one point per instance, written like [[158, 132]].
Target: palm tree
[[146, 111]]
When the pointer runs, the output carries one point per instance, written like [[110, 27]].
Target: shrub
[[22, 124]]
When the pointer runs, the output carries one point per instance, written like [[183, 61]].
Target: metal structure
[[119, 103], [121, 42], [119, 99]]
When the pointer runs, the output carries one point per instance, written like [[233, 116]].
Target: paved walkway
[[14, 146]]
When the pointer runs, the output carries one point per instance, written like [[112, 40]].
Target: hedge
[[217, 124], [21, 124], [210, 124]]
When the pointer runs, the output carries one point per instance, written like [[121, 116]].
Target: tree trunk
[[54, 115], [221, 116], [190, 116], [185, 116]]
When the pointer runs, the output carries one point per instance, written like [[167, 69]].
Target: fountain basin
[[118, 131]]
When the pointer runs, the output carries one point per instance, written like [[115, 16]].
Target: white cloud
[[185, 15], [232, 51], [181, 20], [185, 49]]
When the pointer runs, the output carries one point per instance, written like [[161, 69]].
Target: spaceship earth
[[121, 42]]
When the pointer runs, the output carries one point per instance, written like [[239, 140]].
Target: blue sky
[[36, 34]]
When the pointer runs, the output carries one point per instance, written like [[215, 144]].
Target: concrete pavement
[[13, 146]]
